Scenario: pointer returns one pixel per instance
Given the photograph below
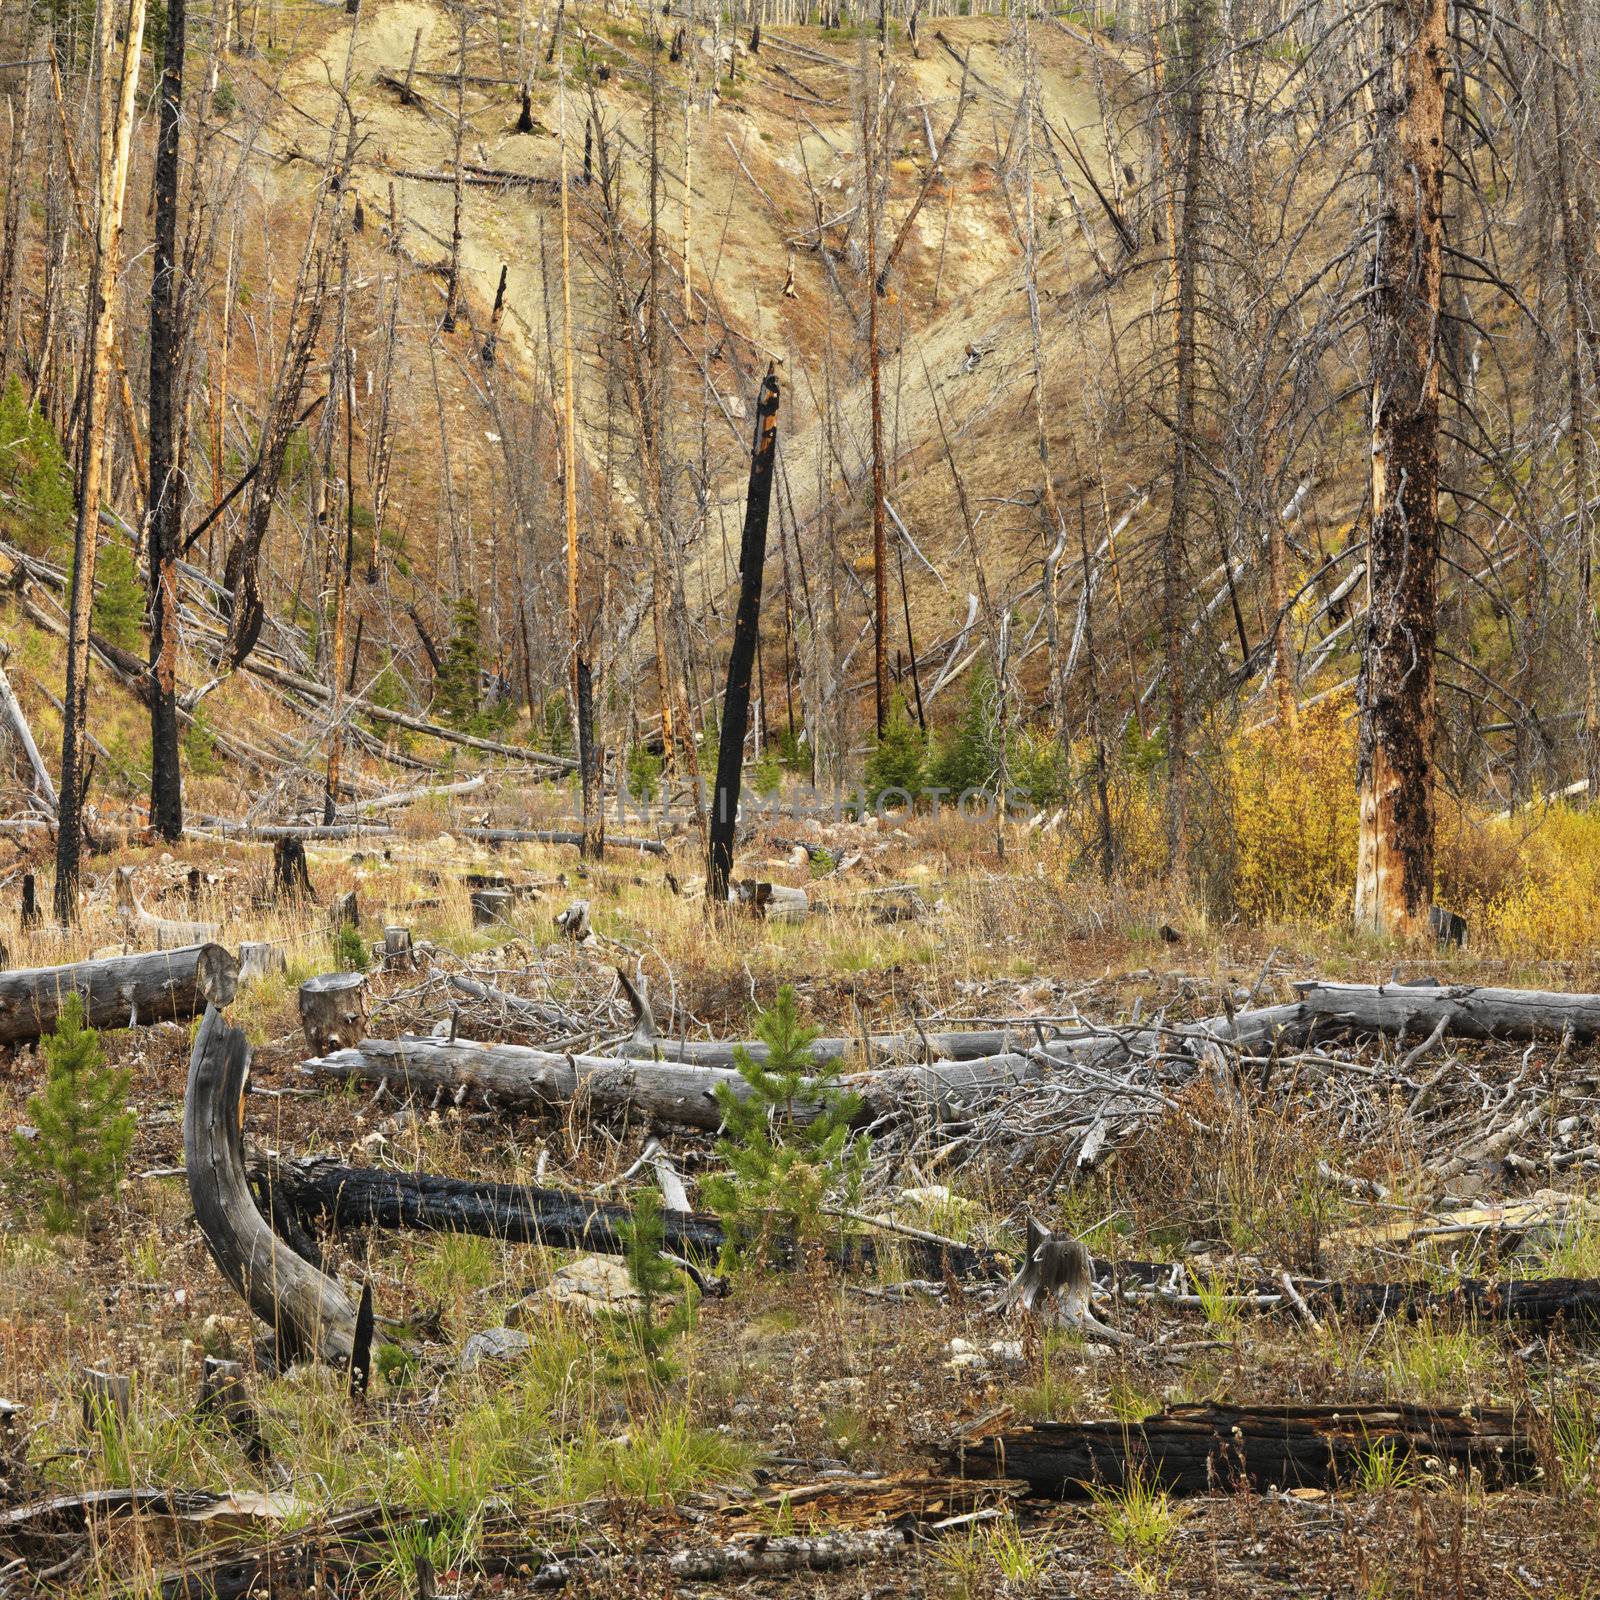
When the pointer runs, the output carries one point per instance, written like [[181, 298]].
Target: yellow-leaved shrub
[[1295, 817]]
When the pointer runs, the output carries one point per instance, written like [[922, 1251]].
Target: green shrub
[[119, 597], [644, 774], [557, 724], [199, 746], [897, 760], [1039, 766], [766, 775], [84, 1132], [780, 1169], [34, 473], [350, 949]]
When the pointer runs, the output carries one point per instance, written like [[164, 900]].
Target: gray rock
[[494, 1344]]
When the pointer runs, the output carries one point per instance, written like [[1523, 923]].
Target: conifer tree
[[84, 1133], [782, 1159], [119, 604], [653, 1279], [459, 677]]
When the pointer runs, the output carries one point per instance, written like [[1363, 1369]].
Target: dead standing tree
[[166, 480], [746, 631], [116, 131], [1394, 873]]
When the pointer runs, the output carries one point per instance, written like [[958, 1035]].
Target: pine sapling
[[787, 1143], [84, 1132], [653, 1279]]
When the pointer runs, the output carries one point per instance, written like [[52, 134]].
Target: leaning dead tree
[[746, 637], [114, 101], [309, 1313], [1394, 874]]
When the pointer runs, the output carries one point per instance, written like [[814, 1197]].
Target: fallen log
[[118, 991], [1540, 1303], [1465, 1011], [320, 1194], [308, 1311], [336, 831], [1197, 1449]]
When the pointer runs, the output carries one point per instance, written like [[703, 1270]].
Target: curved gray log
[[118, 991], [310, 1314]]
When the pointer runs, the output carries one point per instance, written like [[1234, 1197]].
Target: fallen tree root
[[321, 1194], [118, 991], [1196, 1449]]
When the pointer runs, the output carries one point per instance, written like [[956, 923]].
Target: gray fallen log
[[11, 709], [309, 1312], [1466, 1011], [119, 991]]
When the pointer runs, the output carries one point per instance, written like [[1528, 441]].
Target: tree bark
[[746, 633], [1394, 872], [153, 986], [309, 1313], [1193, 1449], [116, 132], [165, 501]]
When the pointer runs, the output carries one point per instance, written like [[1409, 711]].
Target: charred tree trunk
[[308, 1312], [746, 632], [166, 484], [1394, 872], [1192, 1449], [116, 132]]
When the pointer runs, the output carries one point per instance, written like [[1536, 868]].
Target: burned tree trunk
[[290, 876], [116, 133], [165, 503], [158, 986], [1192, 1449], [746, 632], [1394, 871], [309, 1313]]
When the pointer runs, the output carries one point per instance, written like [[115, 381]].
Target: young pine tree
[[897, 760], [84, 1132], [645, 1333], [782, 1159], [119, 605], [463, 663]]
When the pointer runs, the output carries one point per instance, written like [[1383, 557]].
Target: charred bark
[[746, 632]]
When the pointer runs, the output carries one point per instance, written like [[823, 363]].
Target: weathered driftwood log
[[118, 991], [1466, 1010], [321, 1194], [1195, 1449], [165, 933], [333, 1009], [309, 1312]]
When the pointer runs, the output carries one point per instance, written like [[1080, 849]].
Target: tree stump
[[574, 922], [345, 910], [30, 903], [398, 953], [333, 1010], [260, 958], [490, 906], [107, 1397], [290, 878]]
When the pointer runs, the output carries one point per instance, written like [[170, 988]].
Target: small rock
[[591, 1283], [492, 1345]]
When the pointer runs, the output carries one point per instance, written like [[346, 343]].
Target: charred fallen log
[[1541, 1303], [323, 1195], [118, 991], [309, 1312], [1196, 1449]]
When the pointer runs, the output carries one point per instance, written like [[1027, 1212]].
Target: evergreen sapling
[[84, 1132], [788, 1142]]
